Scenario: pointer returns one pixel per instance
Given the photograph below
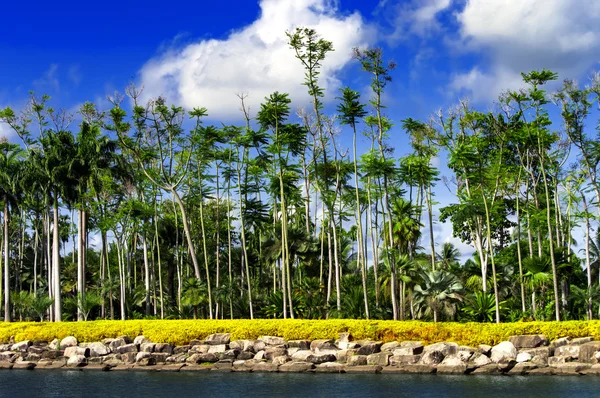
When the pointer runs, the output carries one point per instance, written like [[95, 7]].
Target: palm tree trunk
[[6, 264], [56, 263], [80, 249]]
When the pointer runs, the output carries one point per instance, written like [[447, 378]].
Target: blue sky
[[202, 53]]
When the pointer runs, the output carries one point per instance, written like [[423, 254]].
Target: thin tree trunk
[[6, 264]]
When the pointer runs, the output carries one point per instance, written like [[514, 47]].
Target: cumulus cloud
[[416, 17], [520, 35], [255, 59]]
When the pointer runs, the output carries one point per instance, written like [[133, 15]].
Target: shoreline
[[519, 355]]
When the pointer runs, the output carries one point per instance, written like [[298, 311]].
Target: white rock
[[523, 357], [141, 340], [503, 351], [68, 341], [76, 360]]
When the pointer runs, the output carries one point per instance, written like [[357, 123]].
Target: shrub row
[[181, 332]]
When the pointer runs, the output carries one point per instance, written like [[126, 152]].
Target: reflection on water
[[75, 383]]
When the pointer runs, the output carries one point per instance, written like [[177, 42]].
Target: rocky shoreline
[[520, 355]]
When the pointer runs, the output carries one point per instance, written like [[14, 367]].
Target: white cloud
[[255, 59], [49, 80], [417, 17], [6, 131], [520, 35]]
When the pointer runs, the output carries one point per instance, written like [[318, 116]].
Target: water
[[88, 384]]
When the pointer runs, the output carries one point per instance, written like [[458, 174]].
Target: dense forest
[[143, 210]]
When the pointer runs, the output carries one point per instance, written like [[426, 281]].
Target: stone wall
[[520, 355]]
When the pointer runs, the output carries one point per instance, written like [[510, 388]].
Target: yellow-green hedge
[[183, 331]]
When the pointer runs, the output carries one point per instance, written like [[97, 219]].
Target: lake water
[[88, 384]]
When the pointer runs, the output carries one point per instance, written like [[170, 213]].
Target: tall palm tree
[[438, 291], [10, 162]]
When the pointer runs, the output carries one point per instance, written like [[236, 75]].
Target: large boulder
[[218, 338], [330, 367], [588, 351], [68, 341], [74, 350], [147, 347], [524, 357], [216, 348], [409, 348], [77, 361], [528, 341], [300, 344], [369, 348], [296, 367], [98, 349], [322, 345], [141, 340], [444, 347], [452, 364], [202, 358], [397, 360], [582, 340], [389, 347], [127, 348], [503, 351], [568, 351], [432, 357], [21, 346], [272, 340], [357, 360], [242, 345], [380, 358]]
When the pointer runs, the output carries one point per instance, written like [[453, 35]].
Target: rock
[[7, 356], [417, 368], [300, 344], [344, 341], [568, 351], [357, 360], [245, 355], [21, 346], [396, 360], [506, 364], [364, 369], [128, 357], [53, 354], [523, 357], [302, 355], [542, 372], [555, 361], [112, 362], [465, 355], [202, 358], [593, 370], [432, 358], [141, 355], [343, 355], [503, 351], [242, 345], [320, 358], [522, 368], [148, 361], [147, 347], [296, 367], [225, 364], [230, 354], [452, 364], [389, 347], [485, 349], [163, 348], [217, 348], [369, 348], [259, 345], [54, 344], [127, 348], [444, 347], [330, 367], [322, 345], [381, 359], [528, 341], [98, 349], [571, 367], [587, 351], [160, 357], [272, 340], [480, 360], [489, 369], [33, 357], [74, 350], [27, 365], [200, 349], [218, 339], [539, 355], [279, 360], [141, 340], [582, 340], [265, 367], [178, 358], [259, 356], [181, 349], [68, 341], [76, 360], [272, 352], [559, 343], [114, 344], [416, 350]]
